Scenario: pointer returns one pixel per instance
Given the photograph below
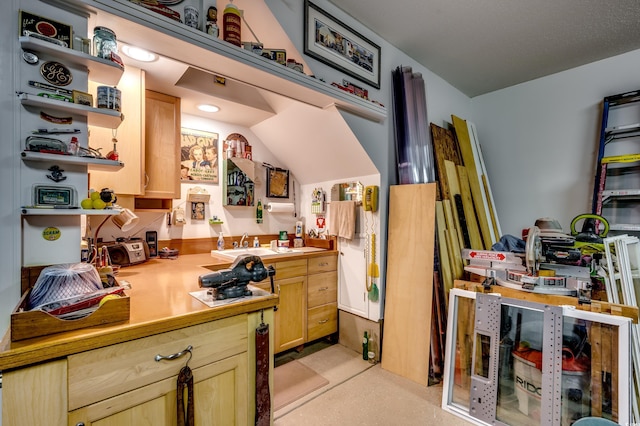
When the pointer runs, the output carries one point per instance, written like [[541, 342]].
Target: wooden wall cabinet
[[148, 144], [162, 151]]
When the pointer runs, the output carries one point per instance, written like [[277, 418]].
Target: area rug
[[292, 381]]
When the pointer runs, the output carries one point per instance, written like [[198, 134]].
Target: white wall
[[9, 171], [540, 140]]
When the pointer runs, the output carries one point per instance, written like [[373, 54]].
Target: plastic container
[[220, 242], [527, 368], [283, 241], [256, 242]]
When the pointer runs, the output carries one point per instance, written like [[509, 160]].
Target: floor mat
[[292, 381]]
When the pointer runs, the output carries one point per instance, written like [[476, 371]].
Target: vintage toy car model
[[55, 96]]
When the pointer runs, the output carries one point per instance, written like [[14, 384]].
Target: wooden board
[[409, 281], [487, 195], [446, 268], [451, 176], [453, 241], [444, 148], [469, 161], [469, 212]]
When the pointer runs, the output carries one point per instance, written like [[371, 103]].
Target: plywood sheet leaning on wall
[[474, 170], [444, 148], [409, 281]]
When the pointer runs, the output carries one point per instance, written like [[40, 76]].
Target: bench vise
[[232, 282]]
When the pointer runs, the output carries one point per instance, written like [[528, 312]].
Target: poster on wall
[[198, 156]]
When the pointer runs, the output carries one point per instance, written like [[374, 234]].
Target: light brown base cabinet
[[308, 307], [123, 385]]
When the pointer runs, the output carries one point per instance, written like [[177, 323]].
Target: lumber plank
[[443, 250], [615, 413], [492, 212], [596, 369], [451, 175], [469, 161], [453, 242], [444, 148], [469, 212], [409, 281], [487, 195]]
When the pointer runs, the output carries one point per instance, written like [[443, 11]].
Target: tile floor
[[360, 393]]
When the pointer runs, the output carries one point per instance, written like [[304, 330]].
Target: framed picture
[[277, 183], [334, 43], [82, 98], [198, 156], [197, 211]]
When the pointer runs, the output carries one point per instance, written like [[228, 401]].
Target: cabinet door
[[162, 145], [130, 135], [35, 395], [220, 398], [291, 316]]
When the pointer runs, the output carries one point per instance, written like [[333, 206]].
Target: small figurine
[[212, 21]]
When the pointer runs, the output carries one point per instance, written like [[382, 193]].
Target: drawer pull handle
[[323, 321], [323, 289], [171, 357], [323, 264]]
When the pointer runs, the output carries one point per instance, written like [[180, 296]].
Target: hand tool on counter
[[232, 282]]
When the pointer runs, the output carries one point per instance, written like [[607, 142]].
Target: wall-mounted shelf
[[152, 30], [100, 117], [102, 70], [93, 163], [34, 211]]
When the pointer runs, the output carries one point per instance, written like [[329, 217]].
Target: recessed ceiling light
[[139, 54], [208, 108]]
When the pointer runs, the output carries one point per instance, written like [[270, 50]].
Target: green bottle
[[259, 212], [365, 347]]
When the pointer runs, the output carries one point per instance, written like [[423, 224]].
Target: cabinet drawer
[[322, 321], [322, 288], [323, 264], [290, 268], [102, 373]]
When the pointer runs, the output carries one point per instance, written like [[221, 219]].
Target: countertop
[[160, 302]]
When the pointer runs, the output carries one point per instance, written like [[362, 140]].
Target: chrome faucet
[[244, 243]]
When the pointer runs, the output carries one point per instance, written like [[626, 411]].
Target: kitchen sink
[[264, 253]]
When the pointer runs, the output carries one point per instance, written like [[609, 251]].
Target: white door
[[352, 267]]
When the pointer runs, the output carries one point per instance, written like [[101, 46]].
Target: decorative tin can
[[231, 24], [109, 97], [191, 16], [104, 42]]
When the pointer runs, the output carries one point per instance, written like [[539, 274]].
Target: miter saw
[[546, 278], [532, 275], [232, 282]]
